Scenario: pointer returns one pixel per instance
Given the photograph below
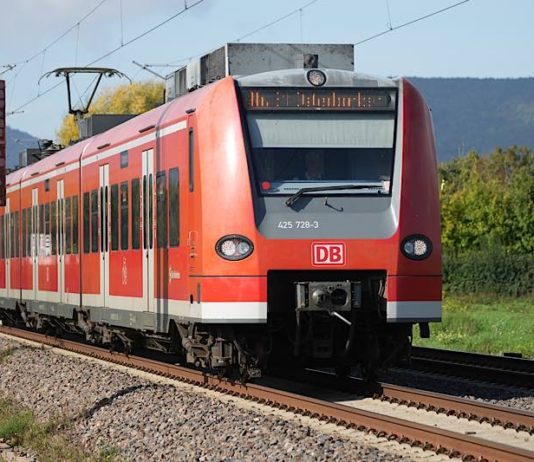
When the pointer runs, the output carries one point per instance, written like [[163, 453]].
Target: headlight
[[234, 247], [316, 78], [416, 247]]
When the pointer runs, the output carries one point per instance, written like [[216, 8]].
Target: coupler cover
[[328, 295]]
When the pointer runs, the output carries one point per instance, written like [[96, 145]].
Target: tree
[[134, 98], [488, 200]]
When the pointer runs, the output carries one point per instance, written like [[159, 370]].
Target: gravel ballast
[[513, 397], [113, 410]]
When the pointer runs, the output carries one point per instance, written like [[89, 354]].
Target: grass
[[484, 324], [19, 427], [5, 353]]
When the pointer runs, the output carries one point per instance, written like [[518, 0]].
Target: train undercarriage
[[315, 319]]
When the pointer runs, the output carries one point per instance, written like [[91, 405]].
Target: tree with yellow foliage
[[134, 98]]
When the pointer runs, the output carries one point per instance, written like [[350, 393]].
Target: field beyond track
[[484, 324]]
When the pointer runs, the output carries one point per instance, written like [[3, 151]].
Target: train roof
[[156, 118]]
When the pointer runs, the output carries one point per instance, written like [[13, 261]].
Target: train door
[[148, 228], [60, 240], [7, 219], [104, 234], [35, 240]]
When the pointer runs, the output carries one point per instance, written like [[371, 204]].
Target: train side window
[[150, 211], [28, 242], [136, 202], [68, 226], [124, 216], [23, 232], [17, 241], [161, 209], [94, 220], [53, 227], [29, 232], [86, 221], [75, 224], [2, 248], [47, 228], [114, 217], [10, 226], [174, 208], [124, 159]]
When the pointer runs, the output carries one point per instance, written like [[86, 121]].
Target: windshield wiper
[[301, 191]]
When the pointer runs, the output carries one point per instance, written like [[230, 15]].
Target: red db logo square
[[327, 253]]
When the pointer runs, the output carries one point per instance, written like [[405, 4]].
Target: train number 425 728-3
[[301, 224]]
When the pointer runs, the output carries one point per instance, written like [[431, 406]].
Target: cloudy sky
[[481, 38]]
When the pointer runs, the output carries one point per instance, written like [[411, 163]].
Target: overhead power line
[[248, 34], [74, 26], [109, 53], [413, 21], [276, 21]]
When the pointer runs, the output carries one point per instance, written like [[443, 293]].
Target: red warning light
[[265, 185]]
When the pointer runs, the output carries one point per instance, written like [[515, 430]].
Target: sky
[[479, 38]]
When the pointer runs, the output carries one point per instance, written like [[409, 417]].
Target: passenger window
[[2, 241], [68, 226], [114, 217], [27, 242], [86, 222], [161, 209], [174, 208], [136, 202], [94, 220], [53, 227], [124, 159], [75, 224], [124, 216], [24, 232], [16, 234], [10, 226]]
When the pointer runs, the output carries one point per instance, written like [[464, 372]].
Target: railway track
[[405, 431], [440, 403], [496, 369]]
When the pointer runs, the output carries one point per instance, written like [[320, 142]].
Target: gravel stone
[[148, 421], [503, 395]]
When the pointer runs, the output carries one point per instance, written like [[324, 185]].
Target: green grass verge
[[5, 353], [19, 427], [484, 324]]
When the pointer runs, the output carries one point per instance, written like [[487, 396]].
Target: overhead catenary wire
[[276, 21], [26, 61], [299, 10], [408, 23], [114, 50]]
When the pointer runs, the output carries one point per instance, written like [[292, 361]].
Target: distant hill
[[16, 141], [479, 114]]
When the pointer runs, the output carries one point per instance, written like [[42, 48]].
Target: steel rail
[[494, 414], [494, 369], [404, 431]]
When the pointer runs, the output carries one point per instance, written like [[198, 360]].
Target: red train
[[288, 216]]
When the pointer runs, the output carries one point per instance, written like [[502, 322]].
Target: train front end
[[344, 189], [318, 203]]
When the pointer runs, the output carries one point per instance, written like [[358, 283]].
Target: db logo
[[326, 253]]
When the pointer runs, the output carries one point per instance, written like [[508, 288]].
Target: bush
[[493, 271]]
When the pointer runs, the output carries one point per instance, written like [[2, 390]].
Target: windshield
[[294, 150]]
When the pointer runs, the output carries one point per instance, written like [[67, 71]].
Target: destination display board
[[305, 99], [3, 130]]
